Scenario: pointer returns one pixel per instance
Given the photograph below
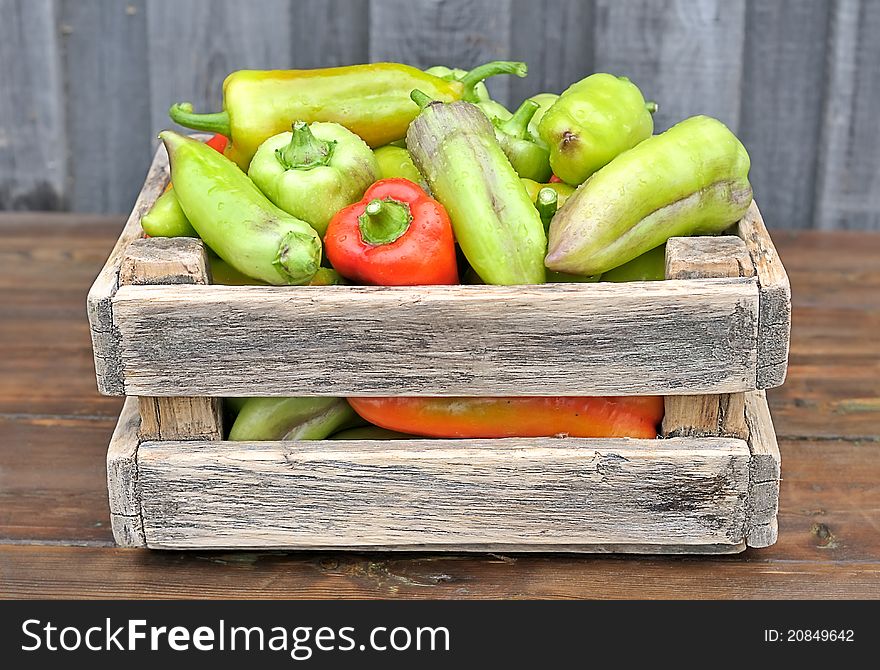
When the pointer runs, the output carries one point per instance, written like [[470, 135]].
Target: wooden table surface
[[55, 538]]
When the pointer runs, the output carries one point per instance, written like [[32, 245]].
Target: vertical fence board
[[328, 33], [457, 33], [849, 160], [685, 55], [555, 39], [107, 102], [193, 45], [32, 138], [781, 105]]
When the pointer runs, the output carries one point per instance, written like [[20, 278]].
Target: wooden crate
[[710, 338]]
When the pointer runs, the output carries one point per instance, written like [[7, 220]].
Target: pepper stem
[[384, 221], [481, 72], [518, 124], [305, 151], [182, 113], [421, 98], [546, 204], [652, 106]]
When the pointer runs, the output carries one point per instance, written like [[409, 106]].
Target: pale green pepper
[[396, 162], [314, 171]]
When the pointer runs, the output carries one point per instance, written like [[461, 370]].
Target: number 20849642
[[808, 635]]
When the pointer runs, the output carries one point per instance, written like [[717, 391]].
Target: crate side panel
[[449, 493], [682, 337]]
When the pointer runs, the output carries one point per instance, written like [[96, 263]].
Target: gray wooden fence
[[85, 84]]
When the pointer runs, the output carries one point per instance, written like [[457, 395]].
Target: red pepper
[[630, 416], [218, 142], [554, 179], [396, 235]]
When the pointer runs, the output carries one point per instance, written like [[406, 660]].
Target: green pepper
[[371, 100], [223, 273], [690, 180], [314, 171], [650, 266], [593, 121], [530, 158], [236, 220], [479, 93], [166, 218], [495, 111], [292, 419], [396, 162], [545, 101], [547, 201], [497, 226], [563, 190]]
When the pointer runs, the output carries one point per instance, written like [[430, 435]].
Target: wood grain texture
[[452, 493], [764, 473], [783, 85], [33, 161], [774, 319], [212, 38], [687, 56], [848, 180], [336, 32], [596, 339], [556, 41], [106, 102], [123, 481], [710, 414], [456, 33], [98, 304], [179, 260]]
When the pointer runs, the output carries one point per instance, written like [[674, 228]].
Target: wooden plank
[[595, 339], [33, 158], [122, 479], [782, 94], [774, 317], [555, 39], [213, 38], [710, 414], [329, 33], [456, 33], [453, 493], [98, 305], [179, 260], [106, 102], [848, 189], [86, 572], [687, 56], [764, 473]]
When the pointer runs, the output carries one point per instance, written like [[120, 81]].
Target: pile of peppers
[[384, 174]]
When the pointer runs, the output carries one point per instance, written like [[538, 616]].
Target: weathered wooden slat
[[555, 39], [781, 104], [122, 479], [848, 188], [456, 33], [211, 39], [180, 260], [328, 33], [33, 155], [107, 102], [685, 55], [684, 337], [774, 317], [514, 493], [764, 473], [105, 339], [710, 414]]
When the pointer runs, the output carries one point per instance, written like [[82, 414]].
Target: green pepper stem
[[652, 106], [182, 113], [421, 98], [305, 151], [546, 204], [518, 124], [481, 72], [384, 221]]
